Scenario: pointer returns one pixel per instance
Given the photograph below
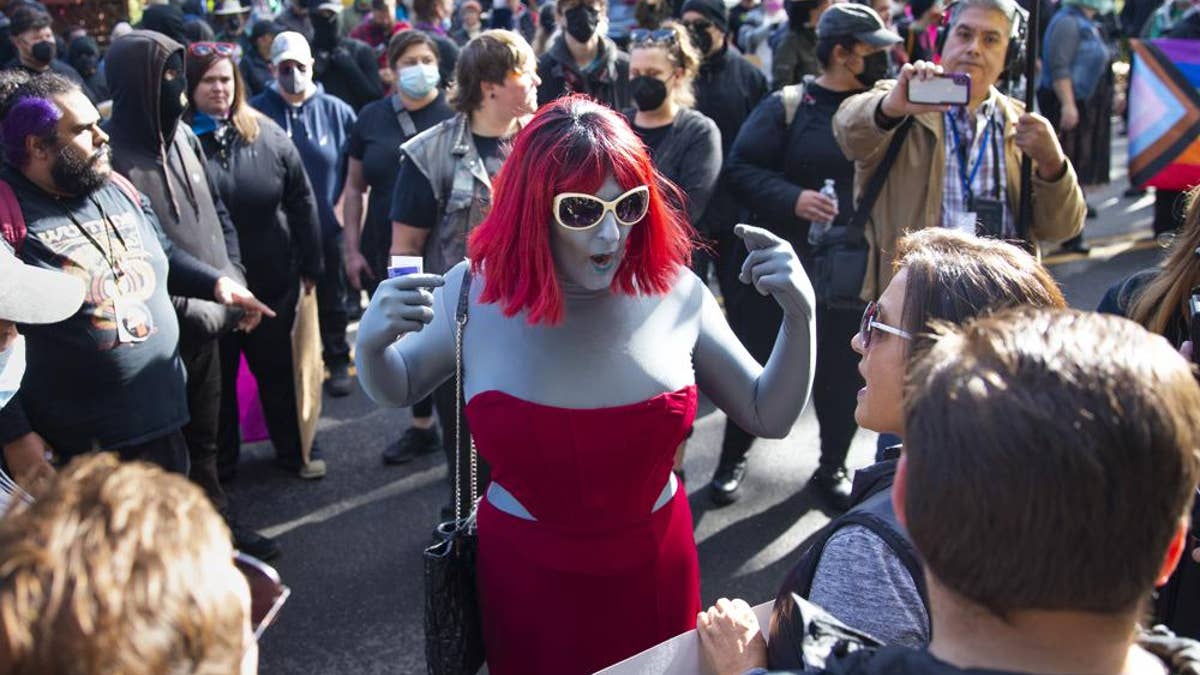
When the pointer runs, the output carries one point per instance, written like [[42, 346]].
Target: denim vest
[[1091, 58], [445, 154]]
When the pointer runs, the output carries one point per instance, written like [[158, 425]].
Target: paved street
[[352, 541]]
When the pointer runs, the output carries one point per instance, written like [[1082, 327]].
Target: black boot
[[252, 543], [832, 484], [726, 481]]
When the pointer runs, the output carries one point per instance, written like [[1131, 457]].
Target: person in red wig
[[588, 339]]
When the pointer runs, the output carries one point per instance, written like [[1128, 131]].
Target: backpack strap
[[127, 187], [854, 229], [12, 221], [876, 515]]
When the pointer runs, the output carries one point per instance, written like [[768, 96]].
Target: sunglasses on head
[[578, 211], [869, 325], [218, 48], [643, 36], [267, 592]]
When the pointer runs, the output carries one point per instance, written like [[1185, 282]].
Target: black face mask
[[233, 26], [43, 52], [325, 30], [87, 65], [875, 68], [582, 21], [170, 101], [701, 38], [648, 92]]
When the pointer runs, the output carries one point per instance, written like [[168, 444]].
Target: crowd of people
[[662, 200]]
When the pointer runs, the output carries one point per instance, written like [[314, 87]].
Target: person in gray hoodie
[[164, 160]]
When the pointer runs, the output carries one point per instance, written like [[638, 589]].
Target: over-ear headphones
[[1014, 58]]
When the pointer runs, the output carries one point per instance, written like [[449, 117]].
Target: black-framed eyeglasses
[[698, 24], [219, 48], [645, 36], [267, 592], [869, 325]]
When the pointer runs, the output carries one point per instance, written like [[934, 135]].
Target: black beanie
[[713, 10]]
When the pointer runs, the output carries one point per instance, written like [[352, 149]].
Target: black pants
[[170, 451], [201, 357], [331, 303], [444, 400], [836, 382], [268, 350]]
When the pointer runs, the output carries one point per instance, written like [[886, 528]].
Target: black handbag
[[453, 630], [839, 259]]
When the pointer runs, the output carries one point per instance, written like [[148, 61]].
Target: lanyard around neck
[[969, 180], [110, 230]]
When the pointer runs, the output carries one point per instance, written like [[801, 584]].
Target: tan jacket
[[911, 198]]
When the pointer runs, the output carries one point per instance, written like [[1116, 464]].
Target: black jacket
[[56, 66], [727, 90], [167, 165], [349, 72], [772, 162], [690, 156], [272, 205], [608, 82]]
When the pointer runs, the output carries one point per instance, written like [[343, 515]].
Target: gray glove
[[772, 267], [400, 305]]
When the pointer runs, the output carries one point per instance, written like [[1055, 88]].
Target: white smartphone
[[947, 89]]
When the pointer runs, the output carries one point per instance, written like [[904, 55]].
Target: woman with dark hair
[[862, 568], [588, 340], [374, 151], [261, 180], [780, 168]]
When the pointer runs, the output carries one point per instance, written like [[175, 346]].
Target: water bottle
[[817, 230]]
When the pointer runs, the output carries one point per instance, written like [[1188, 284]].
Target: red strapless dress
[[597, 577]]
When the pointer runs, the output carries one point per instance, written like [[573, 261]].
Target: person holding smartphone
[[972, 153]]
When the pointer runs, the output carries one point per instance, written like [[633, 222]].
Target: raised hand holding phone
[[897, 103]]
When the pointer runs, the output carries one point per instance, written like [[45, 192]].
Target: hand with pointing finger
[[400, 305], [772, 267]]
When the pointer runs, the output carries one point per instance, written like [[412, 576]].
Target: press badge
[[130, 316]]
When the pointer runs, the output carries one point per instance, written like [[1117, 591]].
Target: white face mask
[[12, 369]]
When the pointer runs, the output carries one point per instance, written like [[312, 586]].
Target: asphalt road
[[352, 541]]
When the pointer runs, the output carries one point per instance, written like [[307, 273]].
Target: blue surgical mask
[[12, 369], [418, 80]]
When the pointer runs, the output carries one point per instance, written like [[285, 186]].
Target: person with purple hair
[[109, 377]]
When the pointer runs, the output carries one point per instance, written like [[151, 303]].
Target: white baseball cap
[[33, 295], [290, 46]]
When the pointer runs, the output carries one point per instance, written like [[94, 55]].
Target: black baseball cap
[[860, 21], [266, 27]]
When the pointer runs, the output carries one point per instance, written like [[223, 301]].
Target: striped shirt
[[984, 166]]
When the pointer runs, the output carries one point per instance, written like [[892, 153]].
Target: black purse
[[453, 630], [839, 259]]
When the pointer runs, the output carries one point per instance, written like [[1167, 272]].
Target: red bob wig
[[572, 145]]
